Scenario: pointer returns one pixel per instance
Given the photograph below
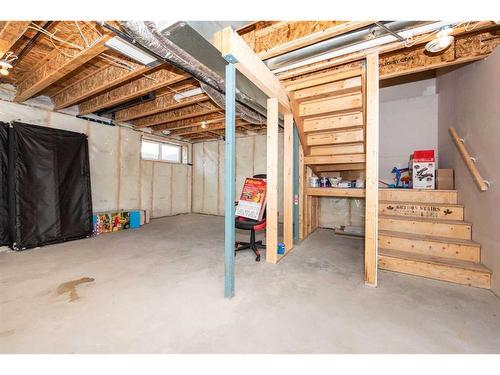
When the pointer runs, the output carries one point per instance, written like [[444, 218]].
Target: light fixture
[[4, 67], [203, 124], [128, 49], [5, 64], [187, 94], [165, 132], [442, 40]]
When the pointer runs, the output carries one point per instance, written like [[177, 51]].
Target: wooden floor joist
[[131, 90], [213, 118], [193, 110], [10, 32], [331, 32], [104, 79], [162, 103], [58, 65]]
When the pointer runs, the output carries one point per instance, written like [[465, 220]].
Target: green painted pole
[[229, 228]]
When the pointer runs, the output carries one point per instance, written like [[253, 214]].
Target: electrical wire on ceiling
[[410, 42]]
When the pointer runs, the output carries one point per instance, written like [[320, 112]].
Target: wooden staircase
[[329, 111], [423, 233]]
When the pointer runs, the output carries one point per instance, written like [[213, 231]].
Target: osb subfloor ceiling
[[69, 62]]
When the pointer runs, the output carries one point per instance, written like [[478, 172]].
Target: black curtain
[[49, 186], [4, 205]]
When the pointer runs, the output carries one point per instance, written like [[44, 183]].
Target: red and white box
[[423, 169]]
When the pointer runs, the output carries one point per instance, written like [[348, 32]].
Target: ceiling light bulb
[[203, 124], [165, 132], [4, 72], [5, 64]]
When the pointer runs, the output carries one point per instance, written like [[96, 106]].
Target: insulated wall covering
[[49, 186], [4, 206]]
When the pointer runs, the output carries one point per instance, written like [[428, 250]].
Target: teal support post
[[295, 185], [229, 229]]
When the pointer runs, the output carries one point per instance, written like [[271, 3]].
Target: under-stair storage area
[[421, 232]]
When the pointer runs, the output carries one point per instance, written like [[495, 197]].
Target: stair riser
[[435, 271], [420, 196], [461, 231], [421, 210], [433, 248]]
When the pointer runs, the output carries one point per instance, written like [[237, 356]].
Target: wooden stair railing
[[470, 161]]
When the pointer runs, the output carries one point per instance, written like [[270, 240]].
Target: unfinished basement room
[[249, 187]]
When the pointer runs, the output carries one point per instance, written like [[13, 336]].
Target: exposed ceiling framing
[[70, 63]]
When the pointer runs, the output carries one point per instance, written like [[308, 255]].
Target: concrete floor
[[159, 289]]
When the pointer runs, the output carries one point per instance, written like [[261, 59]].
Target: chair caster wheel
[[258, 258]]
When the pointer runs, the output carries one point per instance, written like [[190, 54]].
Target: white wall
[[469, 100], [408, 122], [115, 164], [208, 171]]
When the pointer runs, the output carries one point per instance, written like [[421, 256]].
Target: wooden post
[[296, 176], [371, 187], [302, 232], [288, 183], [272, 181]]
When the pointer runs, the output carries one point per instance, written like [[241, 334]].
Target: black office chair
[[253, 226]]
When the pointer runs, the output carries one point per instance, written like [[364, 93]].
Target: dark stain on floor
[[70, 287]]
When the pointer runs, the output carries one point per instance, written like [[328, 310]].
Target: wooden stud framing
[[251, 66], [57, 66], [272, 181], [301, 193], [371, 186], [131, 90], [288, 182]]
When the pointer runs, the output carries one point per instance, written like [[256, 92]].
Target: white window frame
[[160, 143]]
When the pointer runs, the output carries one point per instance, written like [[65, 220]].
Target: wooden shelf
[[336, 192]]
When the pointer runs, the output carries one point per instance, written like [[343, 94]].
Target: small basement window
[[161, 151]]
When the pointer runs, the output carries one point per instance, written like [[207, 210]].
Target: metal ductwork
[[355, 37], [183, 47]]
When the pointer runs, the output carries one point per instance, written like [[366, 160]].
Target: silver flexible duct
[[147, 34]]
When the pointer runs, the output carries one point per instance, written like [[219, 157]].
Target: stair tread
[[419, 190], [423, 220], [457, 263], [422, 203], [422, 237]]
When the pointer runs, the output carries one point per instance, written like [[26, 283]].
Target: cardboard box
[[423, 169], [445, 179]]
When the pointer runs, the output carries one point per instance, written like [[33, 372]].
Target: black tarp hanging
[[49, 186], [4, 205]]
